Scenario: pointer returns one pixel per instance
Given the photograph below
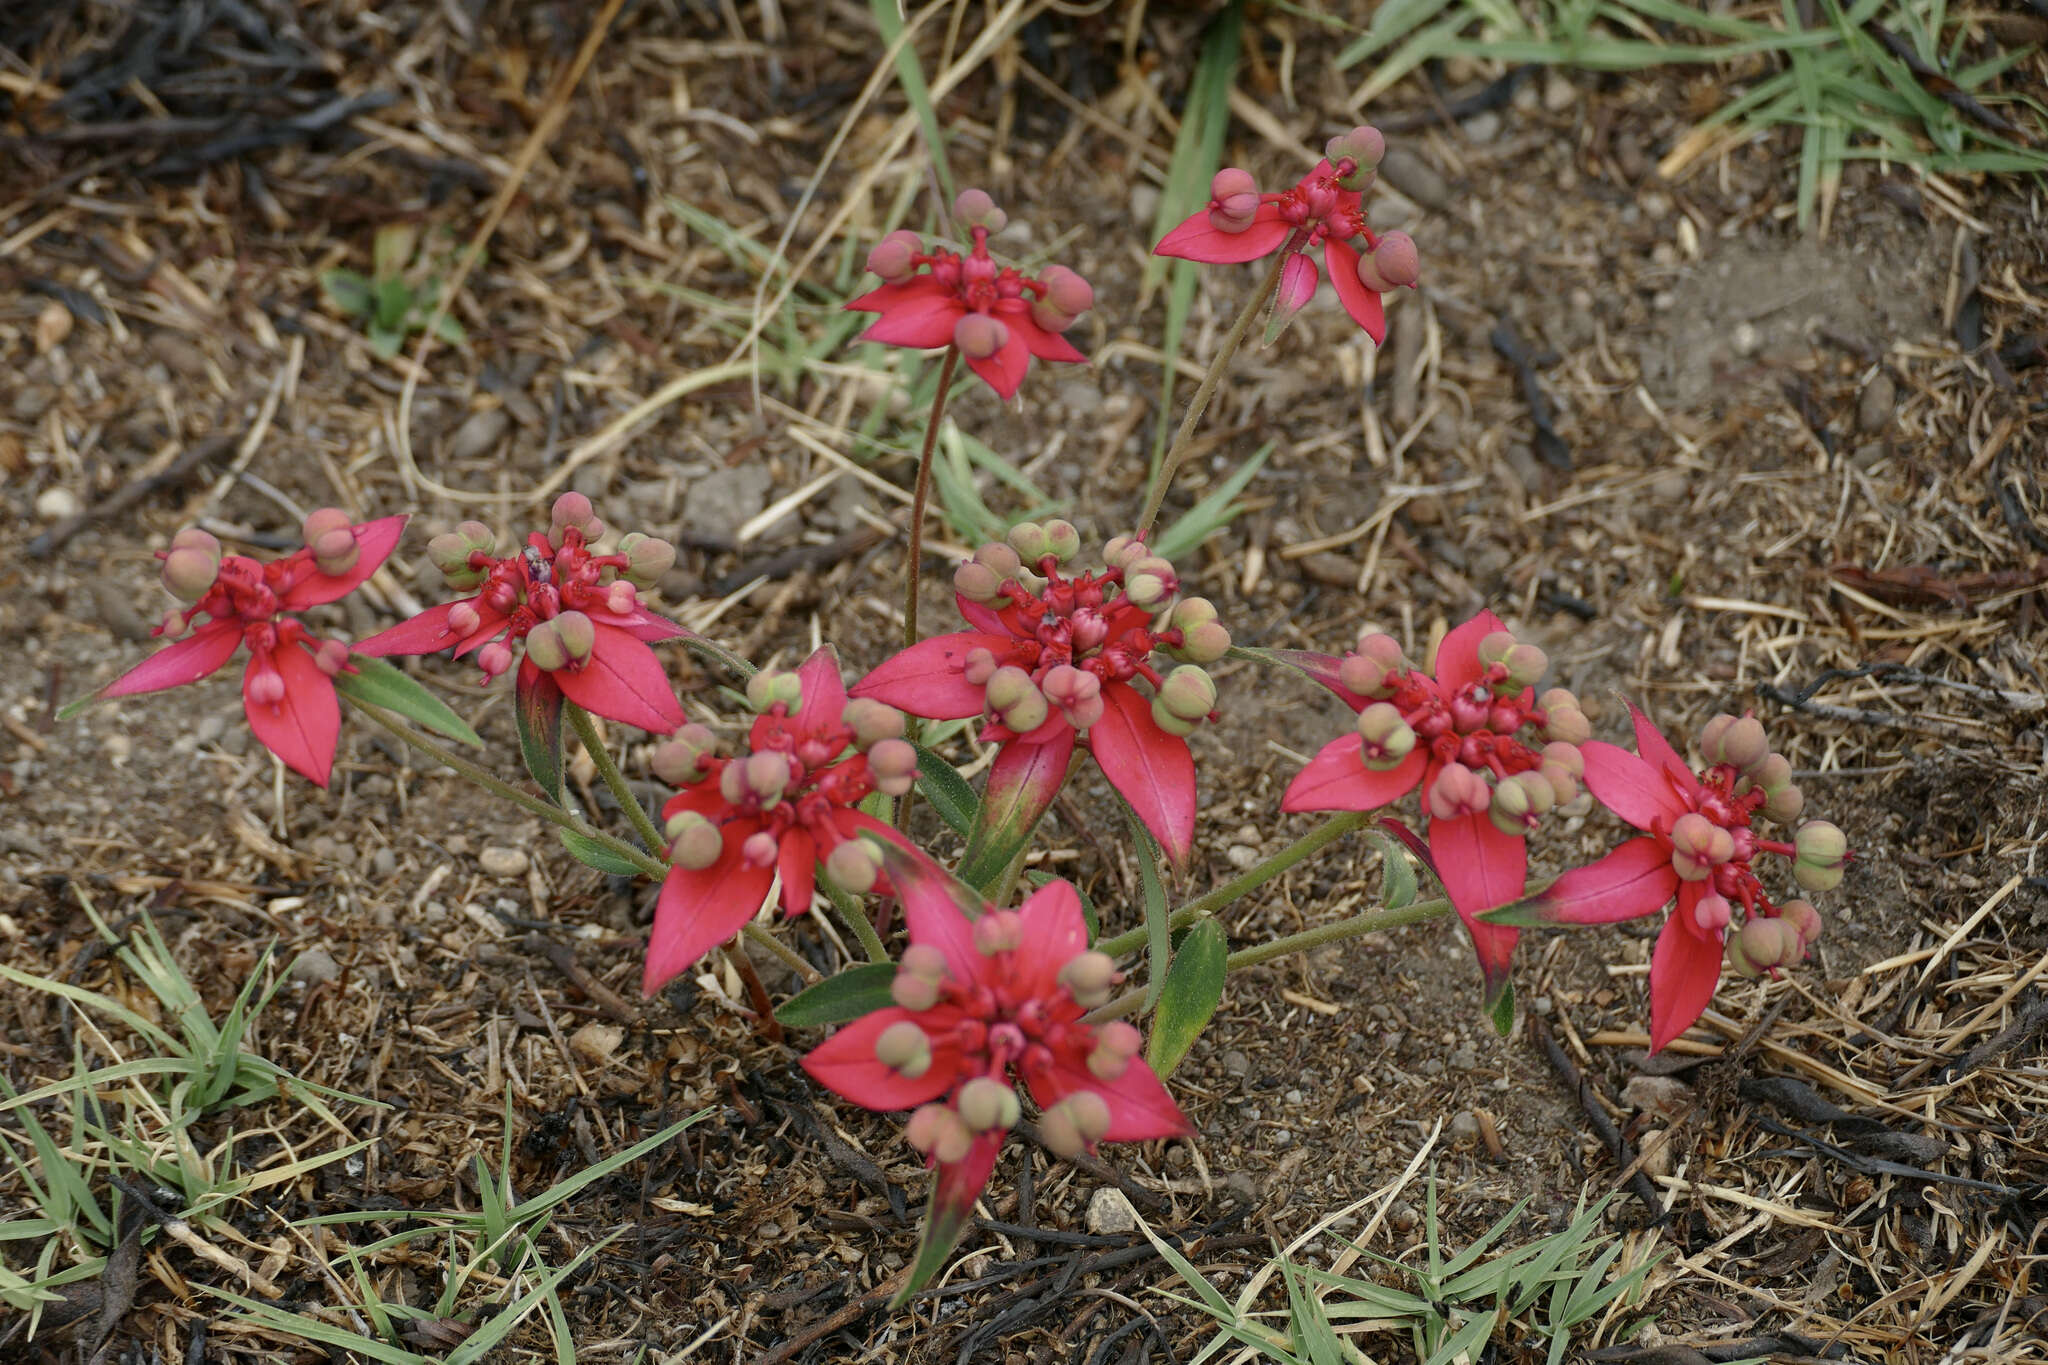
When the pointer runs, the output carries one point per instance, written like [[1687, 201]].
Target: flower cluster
[[1054, 659], [788, 805], [573, 601], [1699, 849], [997, 317], [1490, 757], [1326, 209], [983, 995], [233, 601]]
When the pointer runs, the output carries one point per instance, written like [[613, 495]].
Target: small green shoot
[[399, 295]]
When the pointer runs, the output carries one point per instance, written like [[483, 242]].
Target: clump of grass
[[1846, 77]]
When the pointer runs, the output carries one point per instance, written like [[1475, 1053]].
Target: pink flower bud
[[1822, 852], [265, 687], [578, 634], [1385, 739], [1457, 792], [1007, 686], [853, 866], [892, 763], [680, 761], [189, 572], [1298, 279], [978, 667], [1393, 264], [1188, 692], [1089, 978], [1075, 1124], [544, 647], [976, 582], [1150, 581], [1525, 664], [693, 841], [494, 658], [1770, 943], [570, 509], [894, 258], [1803, 919], [464, 619], [622, 598], [192, 538], [1063, 297], [760, 849], [974, 208], [1470, 710], [173, 624], [1371, 670], [330, 656], [1120, 552], [871, 721], [1739, 743], [1712, 913], [335, 551], [1494, 647], [937, 1131], [904, 1048], [1233, 200], [1694, 842], [1027, 713], [1563, 721], [323, 521], [1784, 804], [1116, 1043], [1062, 541], [998, 931], [767, 775], [980, 336], [1362, 147], [647, 558], [987, 1105]]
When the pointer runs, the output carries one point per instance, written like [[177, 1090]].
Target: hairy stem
[[594, 745], [718, 654], [547, 811], [1331, 830], [848, 906], [923, 493], [1184, 437]]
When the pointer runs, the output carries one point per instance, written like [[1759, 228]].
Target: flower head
[[288, 687], [575, 606], [1056, 655], [1490, 757], [1325, 208], [998, 317], [1700, 850], [986, 997], [787, 805]]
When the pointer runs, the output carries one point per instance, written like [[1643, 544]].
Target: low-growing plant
[[399, 296]]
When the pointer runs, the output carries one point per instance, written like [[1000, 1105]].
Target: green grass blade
[[910, 75]]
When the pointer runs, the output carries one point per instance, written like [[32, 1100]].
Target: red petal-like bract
[[1004, 371], [1482, 869], [1322, 668], [1139, 1107], [375, 540], [622, 680], [1629, 787], [1151, 769], [797, 861], [1365, 306], [846, 1063], [304, 726], [918, 313], [1198, 239], [1337, 779], [938, 908], [1457, 655], [1658, 753], [926, 680], [1634, 880], [187, 660], [1684, 970], [1022, 782], [700, 909], [426, 633], [1055, 933]]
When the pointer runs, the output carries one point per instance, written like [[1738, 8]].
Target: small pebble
[[1109, 1213], [1483, 126], [1241, 857], [384, 862], [1464, 1059], [479, 434], [1236, 1063], [1874, 405], [315, 966], [1416, 178], [1558, 92], [1294, 1097], [503, 862], [1431, 1067], [56, 503], [1465, 1124]]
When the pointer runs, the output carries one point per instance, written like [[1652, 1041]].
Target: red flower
[[288, 687], [577, 610], [1457, 736], [1326, 208], [1697, 849], [983, 995], [988, 311], [787, 806], [1053, 658]]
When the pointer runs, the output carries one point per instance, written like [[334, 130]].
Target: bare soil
[[1779, 460]]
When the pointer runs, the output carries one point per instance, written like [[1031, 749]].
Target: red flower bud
[[680, 761], [974, 208], [979, 336], [1363, 147], [545, 649], [1385, 737], [1457, 791], [1393, 264], [189, 571], [330, 656], [894, 258]]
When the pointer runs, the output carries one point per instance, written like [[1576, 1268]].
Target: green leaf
[[852, 994], [1397, 873], [1193, 989], [391, 250], [347, 290], [1502, 1014], [910, 75], [391, 300], [385, 341], [450, 330], [591, 853], [1212, 513], [1158, 922], [538, 710], [379, 682], [948, 792]]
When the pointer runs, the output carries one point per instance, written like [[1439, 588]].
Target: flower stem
[[1370, 922], [718, 654], [1331, 830], [1183, 438], [547, 811], [863, 928], [594, 745], [922, 494]]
